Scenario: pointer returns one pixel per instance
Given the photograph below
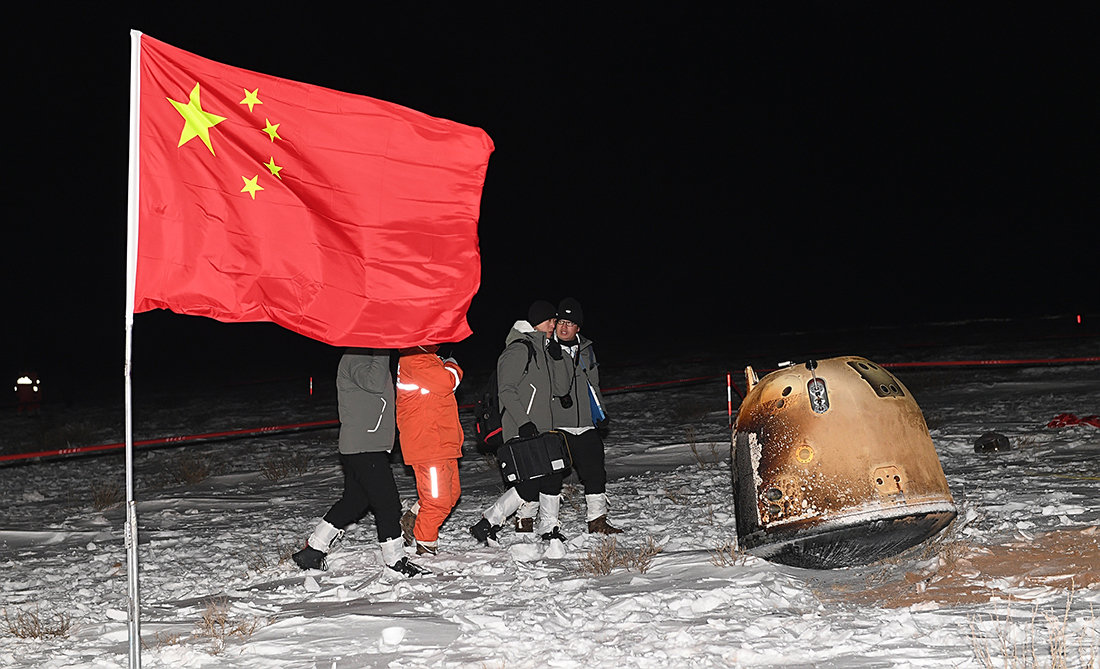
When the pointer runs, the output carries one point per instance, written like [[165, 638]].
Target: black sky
[[697, 169]]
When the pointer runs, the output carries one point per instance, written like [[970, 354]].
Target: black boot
[[553, 534], [483, 531], [310, 558], [408, 567]]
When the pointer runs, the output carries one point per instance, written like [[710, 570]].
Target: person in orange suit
[[431, 440]]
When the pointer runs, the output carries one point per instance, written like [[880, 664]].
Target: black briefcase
[[523, 459]]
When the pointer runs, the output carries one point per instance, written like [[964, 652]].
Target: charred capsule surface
[[834, 466]]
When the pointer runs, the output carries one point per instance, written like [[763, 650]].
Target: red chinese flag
[[344, 218]]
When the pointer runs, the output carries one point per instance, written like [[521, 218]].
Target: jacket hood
[[520, 329]]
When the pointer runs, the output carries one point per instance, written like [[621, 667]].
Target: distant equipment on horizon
[[28, 393], [833, 466]]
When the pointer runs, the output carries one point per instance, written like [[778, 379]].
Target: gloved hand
[[528, 429], [450, 360], [602, 423], [553, 348]]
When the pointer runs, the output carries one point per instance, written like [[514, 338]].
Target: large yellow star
[[250, 186], [273, 168], [251, 98], [196, 121], [272, 130]]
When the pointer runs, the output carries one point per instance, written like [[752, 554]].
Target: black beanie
[[540, 311], [570, 310]]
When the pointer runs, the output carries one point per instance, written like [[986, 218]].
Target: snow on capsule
[[833, 466]]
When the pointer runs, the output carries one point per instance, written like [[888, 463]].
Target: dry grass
[[257, 559], [728, 554], [219, 629], [708, 458], [278, 467], [66, 436], [1026, 441], [33, 625], [676, 497], [488, 462], [286, 551], [188, 468], [106, 495], [216, 627], [162, 639], [1045, 641], [572, 497], [608, 556]]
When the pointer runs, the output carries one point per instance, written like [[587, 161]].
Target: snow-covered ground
[[1016, 575]]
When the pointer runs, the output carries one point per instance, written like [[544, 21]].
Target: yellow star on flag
[[250, 186], [273, 168], [196, 121], [251, 98], [272, 130]]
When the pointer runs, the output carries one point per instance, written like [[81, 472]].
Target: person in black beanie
[[583, 415], [528, 375]]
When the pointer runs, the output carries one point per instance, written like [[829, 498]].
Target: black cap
[[540, 311], [570, 310]]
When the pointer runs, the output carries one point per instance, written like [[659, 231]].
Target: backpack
[[487, 410]]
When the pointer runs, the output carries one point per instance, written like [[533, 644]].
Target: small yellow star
[[250, 186], [275, 169], [196, 121], [272, 130], [251, 98]]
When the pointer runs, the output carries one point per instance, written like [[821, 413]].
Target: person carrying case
[[523, 459]]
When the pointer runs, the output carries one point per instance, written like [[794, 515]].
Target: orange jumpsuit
[[430, 433]]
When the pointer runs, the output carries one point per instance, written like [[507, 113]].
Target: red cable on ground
[[986, 363], [316, 425], [226, 434]]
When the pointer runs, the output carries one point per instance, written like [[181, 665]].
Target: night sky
[[688, 172]]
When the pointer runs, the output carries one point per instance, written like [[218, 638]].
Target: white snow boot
[[548, 525], [505, 506], [393, 556], [325, 537], [597, 515]]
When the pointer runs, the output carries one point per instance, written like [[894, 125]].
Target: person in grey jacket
[[530, 375], [583, 419], [365, 394]]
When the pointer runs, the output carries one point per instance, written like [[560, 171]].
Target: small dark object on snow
[[408, 567], [310, 558], [991, 441], [483, 531], [601, 526], [554, 534]]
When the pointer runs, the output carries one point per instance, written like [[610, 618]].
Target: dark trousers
[[368, 486], [548, 485], [587, 451]]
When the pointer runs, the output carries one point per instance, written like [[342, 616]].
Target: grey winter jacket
[[526, 389], [365, 394], [583, 371]]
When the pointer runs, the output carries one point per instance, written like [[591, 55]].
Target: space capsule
[[833, 466]]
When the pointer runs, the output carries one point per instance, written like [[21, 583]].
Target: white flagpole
[[134, 606]]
